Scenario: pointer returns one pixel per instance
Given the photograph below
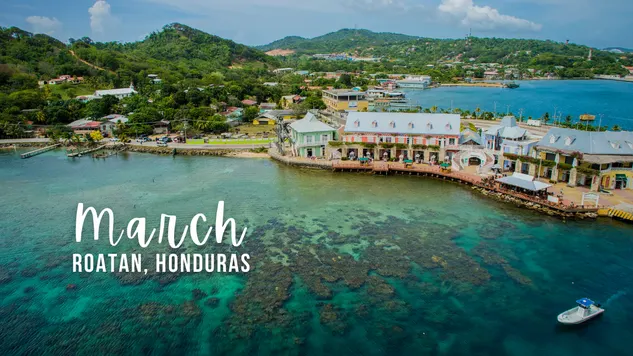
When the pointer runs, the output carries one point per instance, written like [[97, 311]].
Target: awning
[[620, 177], [524, 181], [603, 159], [445, 165]]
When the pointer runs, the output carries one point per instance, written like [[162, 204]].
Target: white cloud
[[100, 15], [43, 24], [485, 17]]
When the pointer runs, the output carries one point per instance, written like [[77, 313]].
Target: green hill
[[340, 41]]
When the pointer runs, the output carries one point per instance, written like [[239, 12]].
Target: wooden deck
[[39, 151], [458, 177], [79, 154]]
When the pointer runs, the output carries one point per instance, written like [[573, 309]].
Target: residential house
[[433, 137], [108, 123], [118, 93], [271, 117], [288, 100], [161, 127], [310, 136], [271, 84], [84, 126], [249, 102], [267, 106], [282, 70], [345, 100], [601, 160], [491, 75]]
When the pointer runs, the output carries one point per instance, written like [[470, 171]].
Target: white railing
[[313, 143]]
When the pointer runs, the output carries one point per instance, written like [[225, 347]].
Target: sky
[[597, 23]]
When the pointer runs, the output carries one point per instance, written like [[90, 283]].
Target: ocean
[[611, 99], [341, 264]]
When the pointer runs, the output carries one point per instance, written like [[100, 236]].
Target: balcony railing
[[313, 143]]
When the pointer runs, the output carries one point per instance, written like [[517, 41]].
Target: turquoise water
[[614, 100], [343, 264]]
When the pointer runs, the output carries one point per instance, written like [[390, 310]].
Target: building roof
[[343, 92], [120, 91], [310, 124], [590, 143], [79, 123], [275, 113], [524, 181], [470, 135], [249, 102], [508, 128], [403, 123]]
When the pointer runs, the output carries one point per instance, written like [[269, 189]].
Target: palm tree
[[434, 108], [478, 110], [616, 128]]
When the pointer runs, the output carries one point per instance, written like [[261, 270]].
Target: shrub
[[387, 145], [336, 143]]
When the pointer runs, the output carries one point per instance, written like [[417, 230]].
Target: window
[[392, 125], [411, 125], [630, 144], [448, 127], [388, 139], [553, 139], [357, 123], [374, 123], [429, 126], [615, 144], [569, 140], [569, 160], [451, 141], [308, 139], [550, 156]]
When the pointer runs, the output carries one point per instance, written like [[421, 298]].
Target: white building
[[118, 93]]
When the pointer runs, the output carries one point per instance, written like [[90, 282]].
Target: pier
[[386, 168], [39, 151], [79, 154]]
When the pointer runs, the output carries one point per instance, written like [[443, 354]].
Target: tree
[[434, 109], [250, 113], [345, 80], [96, 136], [616, 128]]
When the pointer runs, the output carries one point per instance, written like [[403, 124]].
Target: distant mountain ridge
[[618, 49]]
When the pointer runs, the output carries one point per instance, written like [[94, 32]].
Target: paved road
[[23, 140], [202, 146]]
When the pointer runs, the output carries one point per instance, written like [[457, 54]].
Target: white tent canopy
[[524, 181]]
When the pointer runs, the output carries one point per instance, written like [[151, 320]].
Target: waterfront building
[[108, 123], [161, 127], [432, 137], [600, 160], [508, 137], [84, 126], [414, 82], [310, 136], [345, 100]]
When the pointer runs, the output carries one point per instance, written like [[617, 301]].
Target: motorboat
[[586, 309]]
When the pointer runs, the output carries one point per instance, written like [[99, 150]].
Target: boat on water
[[587, 117], [512, 85], [586, 309]]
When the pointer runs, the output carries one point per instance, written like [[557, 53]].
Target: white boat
[[585, 310]]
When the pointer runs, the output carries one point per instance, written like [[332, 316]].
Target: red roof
[[249, 102]]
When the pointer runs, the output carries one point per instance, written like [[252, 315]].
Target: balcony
[[311, 144]]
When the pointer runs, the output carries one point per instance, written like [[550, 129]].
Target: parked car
[[161, 144]]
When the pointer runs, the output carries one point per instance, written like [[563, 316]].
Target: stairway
[[460, 159]]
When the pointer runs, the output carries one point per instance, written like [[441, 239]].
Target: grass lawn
[[70, 91], [230, 142], [253, 130]]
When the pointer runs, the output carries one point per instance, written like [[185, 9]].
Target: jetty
[[475, 84], [78, 154], [39, 151], [395, 168]]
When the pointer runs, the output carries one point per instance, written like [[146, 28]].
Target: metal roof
[[403, 123], [310, 124], [508, 128], [524, 181], [594, 143]]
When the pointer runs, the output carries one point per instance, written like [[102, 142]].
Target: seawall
[[184, 151], [297, 162]]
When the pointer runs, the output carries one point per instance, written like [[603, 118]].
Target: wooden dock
[[39, 151], [457, 177], [78, 154]]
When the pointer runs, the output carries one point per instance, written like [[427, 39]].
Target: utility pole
[[521, 115], [508, 110], [495, 110], [600, 122]]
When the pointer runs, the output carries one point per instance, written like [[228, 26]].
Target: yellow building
[[345, 100], [271, 117]]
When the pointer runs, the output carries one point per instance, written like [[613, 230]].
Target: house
[[234, 115], [491, 75], [345, 100], [282, 70], [310, 136], [249, 102], [470, 138], [271, 117], [429, 136], [600, 160], [302, 72], [271, 84], [118, 93], [84, 126], [288, 100], [267, 106], [108, 123], [161, 127]]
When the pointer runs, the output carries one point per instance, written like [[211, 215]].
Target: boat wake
[[614, 297]]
